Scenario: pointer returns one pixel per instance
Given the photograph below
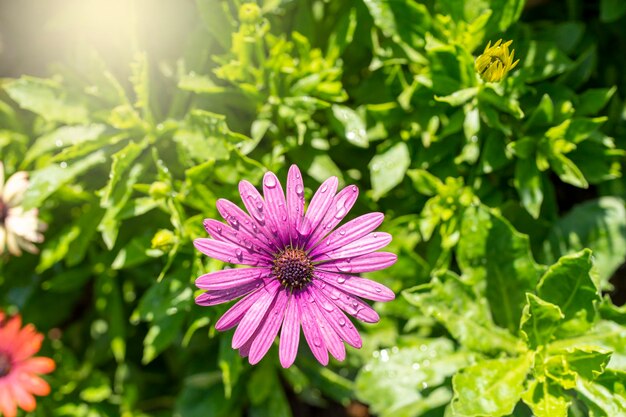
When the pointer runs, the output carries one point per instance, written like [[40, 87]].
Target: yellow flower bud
[[163, 240], [493, 64], [249, 13]]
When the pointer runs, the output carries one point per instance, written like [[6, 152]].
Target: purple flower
[[301, 270]]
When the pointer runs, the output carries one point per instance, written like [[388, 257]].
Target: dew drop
[[324, 188], [317, 342], [270, 181], [341, 280], [239, 253], [340, 213], [344, 268], [342, 232], [377, 289], [299, 189], [59, 143], [342, 321]]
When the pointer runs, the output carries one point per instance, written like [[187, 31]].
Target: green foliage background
[[505, 202]]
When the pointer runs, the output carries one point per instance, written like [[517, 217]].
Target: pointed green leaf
[[352, 127], [606, 396], [568, 284], [529, 185], [539, 320]]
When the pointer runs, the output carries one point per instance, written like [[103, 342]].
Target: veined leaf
[[491, 387], [546, 399], [539, 320]]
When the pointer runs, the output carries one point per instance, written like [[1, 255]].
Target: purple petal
[[332, 341], [364, 263], [340, 322], [320, 203], [295, 201], [224, 233], [276, 206], [239, 220], [212, 298], [363, 246], [360, 287], [269, 329], [228, 252], [354, 306], [341, 205], [234, 315], [230, 278], [253, 318], [348, 233], [258, 207], [290, 334], [311, 331]]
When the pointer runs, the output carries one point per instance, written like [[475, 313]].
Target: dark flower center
[[4, 211], [5, 364], [293, 268]]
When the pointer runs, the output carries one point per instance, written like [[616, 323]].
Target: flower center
[[293, 268], [5, 364], [4, 211]]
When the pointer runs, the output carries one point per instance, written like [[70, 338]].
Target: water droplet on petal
[[340, 213], [299, 189], [317, 342], [342, 232], [239, 253], [344, 268], [377, 289], [269, 181], [324, 188], [341, 280], [342, 321]]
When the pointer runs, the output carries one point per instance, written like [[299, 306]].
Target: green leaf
[[529, 185], [568, 284], [459, 97], [491, 387], [588, 362], [123, 160], [539, 320], [542, 115], [456, 306], [546, 399], [217, 20], [387, 169], [352, 125], [47, 180], [230, 363], [491, 249], [47, 99], [593, 100], [110, 305], [606, 396], [599, 225], [406, 22], [61, 137], [395, 381], [611, 10]]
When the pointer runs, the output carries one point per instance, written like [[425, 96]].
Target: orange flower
[[19, 370]]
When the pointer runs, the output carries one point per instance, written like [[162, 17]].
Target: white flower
[[19, 229]]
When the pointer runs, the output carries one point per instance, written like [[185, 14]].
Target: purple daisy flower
[[302, 271]]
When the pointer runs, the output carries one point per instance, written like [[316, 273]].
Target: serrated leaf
[[546, 399], [46, 98], [606, 396], [599, 225], [491, 387], [388, 168], [491, 249], [539, 320], [62, 137], [460, 310], [568, 284]]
